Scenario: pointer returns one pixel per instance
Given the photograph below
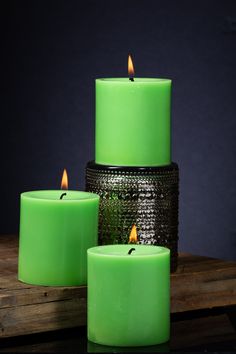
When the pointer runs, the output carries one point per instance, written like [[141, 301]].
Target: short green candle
[[128, 295], [133, 125], [55, 235]]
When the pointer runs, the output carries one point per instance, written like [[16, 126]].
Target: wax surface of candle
[[128, 295], [55, 235], [133, 126]]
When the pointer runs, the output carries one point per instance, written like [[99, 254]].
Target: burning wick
[[131, 250], [64, 182], [130, 68]]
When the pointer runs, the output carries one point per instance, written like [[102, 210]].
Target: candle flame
[[133, 237], [130, 67], [64, 180]]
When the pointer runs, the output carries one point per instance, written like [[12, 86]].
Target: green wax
[[55, 235], [133, 126], [128, 295]]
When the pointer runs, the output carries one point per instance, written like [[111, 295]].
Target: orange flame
[[130, 67], [64, 180], [133, 237]]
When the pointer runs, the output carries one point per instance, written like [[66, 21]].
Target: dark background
[[51, 53]]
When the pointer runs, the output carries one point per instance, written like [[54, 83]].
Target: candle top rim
[[137, 80], [54, 195], [121, 250]]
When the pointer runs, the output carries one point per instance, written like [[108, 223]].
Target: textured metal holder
[[144, 196]]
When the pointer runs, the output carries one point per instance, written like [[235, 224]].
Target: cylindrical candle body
[[133, 122], [128, 295], [55, 235]]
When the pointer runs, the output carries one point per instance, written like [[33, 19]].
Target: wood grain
[[199, 283]]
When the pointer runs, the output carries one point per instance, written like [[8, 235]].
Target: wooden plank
[[202, 282], [199, 283], [43, 317], [40, 295]]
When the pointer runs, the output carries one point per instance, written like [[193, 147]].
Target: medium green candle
[[133, 126], [55, 235], [128, 295]]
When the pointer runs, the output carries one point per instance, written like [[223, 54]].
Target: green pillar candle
[[128, 295], [55, 235], [133, 122]]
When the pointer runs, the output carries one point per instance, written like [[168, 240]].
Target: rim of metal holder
[[93, 165]]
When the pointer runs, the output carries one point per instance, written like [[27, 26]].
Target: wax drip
[[63, 194], [131, 250]]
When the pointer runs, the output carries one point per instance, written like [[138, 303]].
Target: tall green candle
[[55, 235], [128, 295], [133, 126]]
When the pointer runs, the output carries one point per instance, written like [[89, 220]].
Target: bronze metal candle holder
[[144, 196]]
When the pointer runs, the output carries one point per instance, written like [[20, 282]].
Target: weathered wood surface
[[202, 282], [199, 283]]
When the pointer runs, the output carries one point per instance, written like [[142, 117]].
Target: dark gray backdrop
[[51, 53]]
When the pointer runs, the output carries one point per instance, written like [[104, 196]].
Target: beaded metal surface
[[144, 196]]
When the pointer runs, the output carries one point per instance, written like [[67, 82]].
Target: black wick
[[131, 250], [63, 194], [131, 79]]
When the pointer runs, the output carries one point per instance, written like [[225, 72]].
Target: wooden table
[[203, 302]]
